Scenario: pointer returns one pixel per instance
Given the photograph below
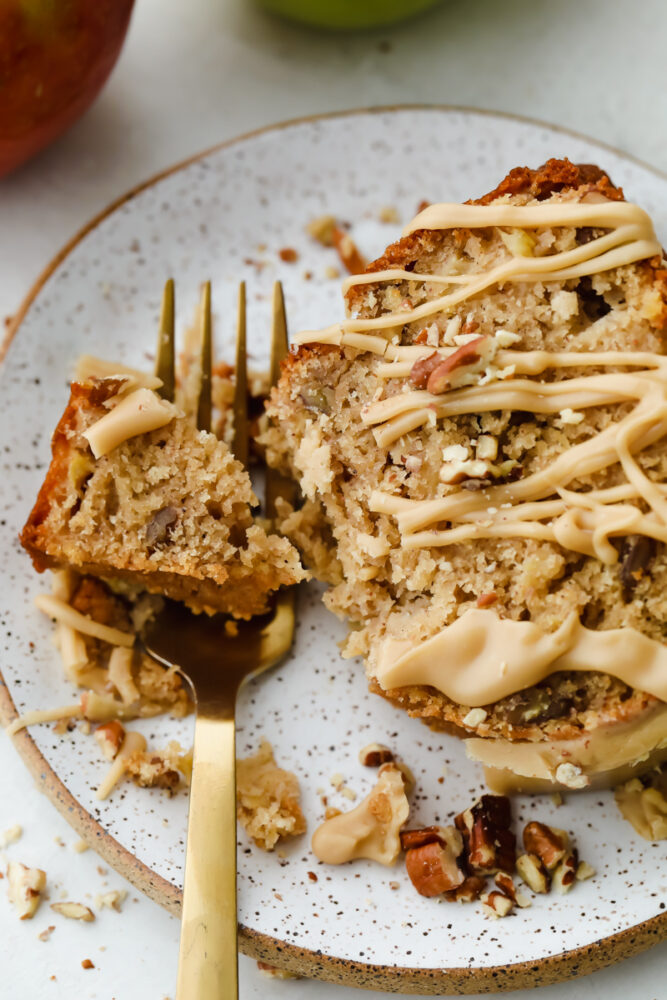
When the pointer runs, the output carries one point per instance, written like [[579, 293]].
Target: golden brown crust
[[552, 177], [83, 395]]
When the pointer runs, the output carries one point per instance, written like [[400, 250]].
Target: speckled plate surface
[[225, 215]]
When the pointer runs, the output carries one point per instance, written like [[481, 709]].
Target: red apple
[[55, 55]]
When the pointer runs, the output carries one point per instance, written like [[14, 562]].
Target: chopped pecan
[[375, 754], [486, 600], [470, 889], [347, 250], [505, 883], [467, 354], [110, 738], [584, 871], [433, 869], [637, 553], [550, 845], [565, 873], [423, 368], [73, 911], [497, 904], [490, 844], [432, 835], [533, 873], [24, 888]]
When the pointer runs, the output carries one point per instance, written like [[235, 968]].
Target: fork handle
[[208, 955]]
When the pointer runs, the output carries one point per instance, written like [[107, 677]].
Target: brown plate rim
[[314, 964]]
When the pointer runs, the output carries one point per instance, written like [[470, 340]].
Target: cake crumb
[[388, 213], [268, 799], [11, 835], [321, 229], [87, 964], [112, 900]]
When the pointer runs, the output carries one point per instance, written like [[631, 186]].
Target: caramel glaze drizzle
[[581, 521]]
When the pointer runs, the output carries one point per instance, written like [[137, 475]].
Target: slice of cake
[[136, 495], [484, 438]]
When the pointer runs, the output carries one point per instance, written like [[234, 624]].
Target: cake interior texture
[[322, 428], [168, 511]]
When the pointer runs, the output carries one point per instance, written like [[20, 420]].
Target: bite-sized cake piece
[[484, 438], [136, 494], [268, 804]]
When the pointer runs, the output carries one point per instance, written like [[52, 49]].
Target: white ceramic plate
[[225, 215]]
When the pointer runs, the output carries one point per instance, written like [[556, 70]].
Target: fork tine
[[240, 440], [206, 344], [279, 346], [277, 485], [164, 361]]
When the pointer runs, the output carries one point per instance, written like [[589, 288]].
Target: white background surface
[[194, 74]]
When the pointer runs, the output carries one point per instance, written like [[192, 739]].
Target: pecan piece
[[73, 911], [533, 873], [348, 252], [470, 889], [505, 883], [423, 368], [110, 738], [550, 845], [24, 888], [432, 835], [584, 871], [467, 354], [637, 553], [375, 754], [490, 844], [433, 869], [565, 873], [497, 904]]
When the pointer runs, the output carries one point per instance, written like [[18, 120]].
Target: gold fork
[[216, 663]]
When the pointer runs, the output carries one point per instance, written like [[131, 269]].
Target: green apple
[[347, 13]]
